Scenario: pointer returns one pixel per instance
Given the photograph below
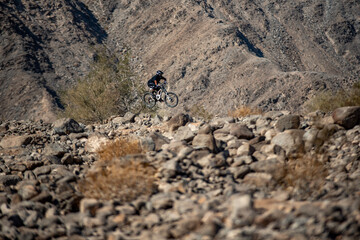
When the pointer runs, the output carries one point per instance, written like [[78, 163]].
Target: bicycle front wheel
[[171, 99], [149, 100]]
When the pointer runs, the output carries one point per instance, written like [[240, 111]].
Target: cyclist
[[155, 80]]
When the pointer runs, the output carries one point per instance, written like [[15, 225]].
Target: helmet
[[158, 72]]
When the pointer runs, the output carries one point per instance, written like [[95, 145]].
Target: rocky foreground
[[226, 178]]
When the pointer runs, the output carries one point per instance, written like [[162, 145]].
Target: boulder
[[205, 141], [66, 126], [290, 140], [348, 117], [177, 121], [8, 180], [95, 142], [245, 150], [54, 149], [159, 140], [288, 122], [127, 118], [184, 133], [147, 144], [15, 141], [241, 131]]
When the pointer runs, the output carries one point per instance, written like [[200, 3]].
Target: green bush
[[327, 101], [108, 89]]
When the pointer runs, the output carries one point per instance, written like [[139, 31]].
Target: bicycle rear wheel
[[149, 100], [171, 99]]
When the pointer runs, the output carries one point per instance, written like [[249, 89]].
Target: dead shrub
[[118, 174], [304, 175], [119, 148], [243, 111], [327, 101]]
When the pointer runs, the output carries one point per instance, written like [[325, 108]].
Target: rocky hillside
[[218, 54], [270, 176], [272, 54], [44, 48]]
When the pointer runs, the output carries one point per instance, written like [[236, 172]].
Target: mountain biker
[[155, 80]]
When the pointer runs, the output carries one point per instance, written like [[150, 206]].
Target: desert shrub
[[327, 101], [243, 111], [119, 175], [108, 89], [304, 175], [119, 148], [200, 111], [120, 179]]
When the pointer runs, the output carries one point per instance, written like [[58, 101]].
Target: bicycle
[[170, 98]]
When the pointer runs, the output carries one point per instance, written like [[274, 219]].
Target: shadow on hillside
[[250, 46]]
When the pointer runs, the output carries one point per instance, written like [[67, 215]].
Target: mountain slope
[[272, 54], [44, 47]]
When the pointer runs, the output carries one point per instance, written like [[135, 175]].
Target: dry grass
[[119, 148], [304, 175], [243, 111], [119, 175], [328, 101]]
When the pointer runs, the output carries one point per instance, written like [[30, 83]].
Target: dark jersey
[[155, 80]]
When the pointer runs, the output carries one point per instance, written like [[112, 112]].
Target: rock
[[95, 142], [241, 131], [288, 122], [177, 121], [242, 160], [174, 146], [240, 172], [171, 168], [161, 201], [55, 149], [204, 141], [259, 179], [217, 122], [205, 129], [184, 206], [159, 140], [241, 212], [348, 117], [245, 150], [127, 118], [268, 166], [290, 140], [8, 180], [69, 158], [15, 141], [28, 191], [147, 144], [184, 133], [89, 206], [273, 114], [184, 226], [43, 170], [66, 126], [211, 161]]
